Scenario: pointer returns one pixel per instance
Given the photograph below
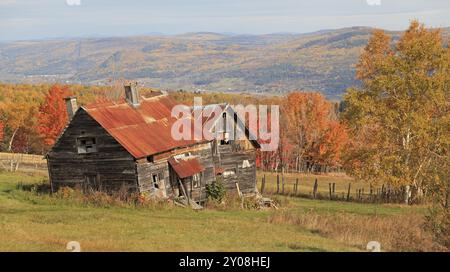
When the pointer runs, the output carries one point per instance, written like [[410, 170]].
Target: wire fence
[[340, 191], [19, 161]]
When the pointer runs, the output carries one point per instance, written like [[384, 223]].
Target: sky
[[40, 19]]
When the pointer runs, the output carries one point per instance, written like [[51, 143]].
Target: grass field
[[30, 221]]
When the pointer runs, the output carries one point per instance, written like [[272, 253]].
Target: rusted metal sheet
[[186, 167], [142, 131]]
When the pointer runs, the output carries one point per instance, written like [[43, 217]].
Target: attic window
[[224, 117], [86, 145]]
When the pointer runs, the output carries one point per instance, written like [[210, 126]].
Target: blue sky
[[33, 19]]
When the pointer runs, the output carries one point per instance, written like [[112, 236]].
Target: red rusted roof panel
[[142, 131], [186, 167]]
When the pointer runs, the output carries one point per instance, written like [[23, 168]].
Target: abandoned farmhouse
[[128, 144]]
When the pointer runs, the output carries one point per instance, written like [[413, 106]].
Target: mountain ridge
[[268, 63]]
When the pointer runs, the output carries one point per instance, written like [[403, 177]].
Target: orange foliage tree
[[311, 126], [52, 117]]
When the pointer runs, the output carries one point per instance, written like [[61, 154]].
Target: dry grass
[[33, 220], [403, 232]]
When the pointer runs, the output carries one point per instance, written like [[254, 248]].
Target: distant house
[[128, 144]]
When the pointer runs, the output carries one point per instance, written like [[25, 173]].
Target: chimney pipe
[[72, 107], [132, 94]]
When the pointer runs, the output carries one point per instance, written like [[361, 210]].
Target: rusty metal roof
[[142, 131], [186, 167]]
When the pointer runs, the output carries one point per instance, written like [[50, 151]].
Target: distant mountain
[[272, 63]]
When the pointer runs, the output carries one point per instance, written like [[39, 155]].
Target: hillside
[[273, 63], [34, 220]]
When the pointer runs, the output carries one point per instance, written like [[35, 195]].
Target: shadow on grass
[[40, 188]]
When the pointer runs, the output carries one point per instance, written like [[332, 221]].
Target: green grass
[[30, 221]]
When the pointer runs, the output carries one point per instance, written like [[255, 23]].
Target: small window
[[183, 155], [196, 180], [229, 173], [155, 181], [224, 117], [224, 142], [87, 145], [245, 164]]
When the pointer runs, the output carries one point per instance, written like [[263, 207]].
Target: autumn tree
[[399, 117], [332, 144], [316, 137], [16, 116], [52, 117]]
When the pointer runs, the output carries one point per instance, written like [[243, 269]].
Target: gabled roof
[[142, 131], [146, 130]]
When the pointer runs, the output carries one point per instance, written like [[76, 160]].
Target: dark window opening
[[155, 181], [150, 158], [224, 117], [86, 145], [196, 180], [224, 140]]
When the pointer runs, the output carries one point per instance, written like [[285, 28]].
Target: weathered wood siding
[[146, 170], [113, 166], [231, 157]]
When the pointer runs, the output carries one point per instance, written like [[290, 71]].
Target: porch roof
[[186, 167]]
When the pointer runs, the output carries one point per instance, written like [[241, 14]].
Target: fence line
[[383, 194], [12, 161]]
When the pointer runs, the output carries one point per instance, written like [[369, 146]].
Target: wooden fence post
[[348, 192], [315, 188], [282, 184], [278, 184], [296, 186], [263, 184], [334, 189], [329, 189]]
